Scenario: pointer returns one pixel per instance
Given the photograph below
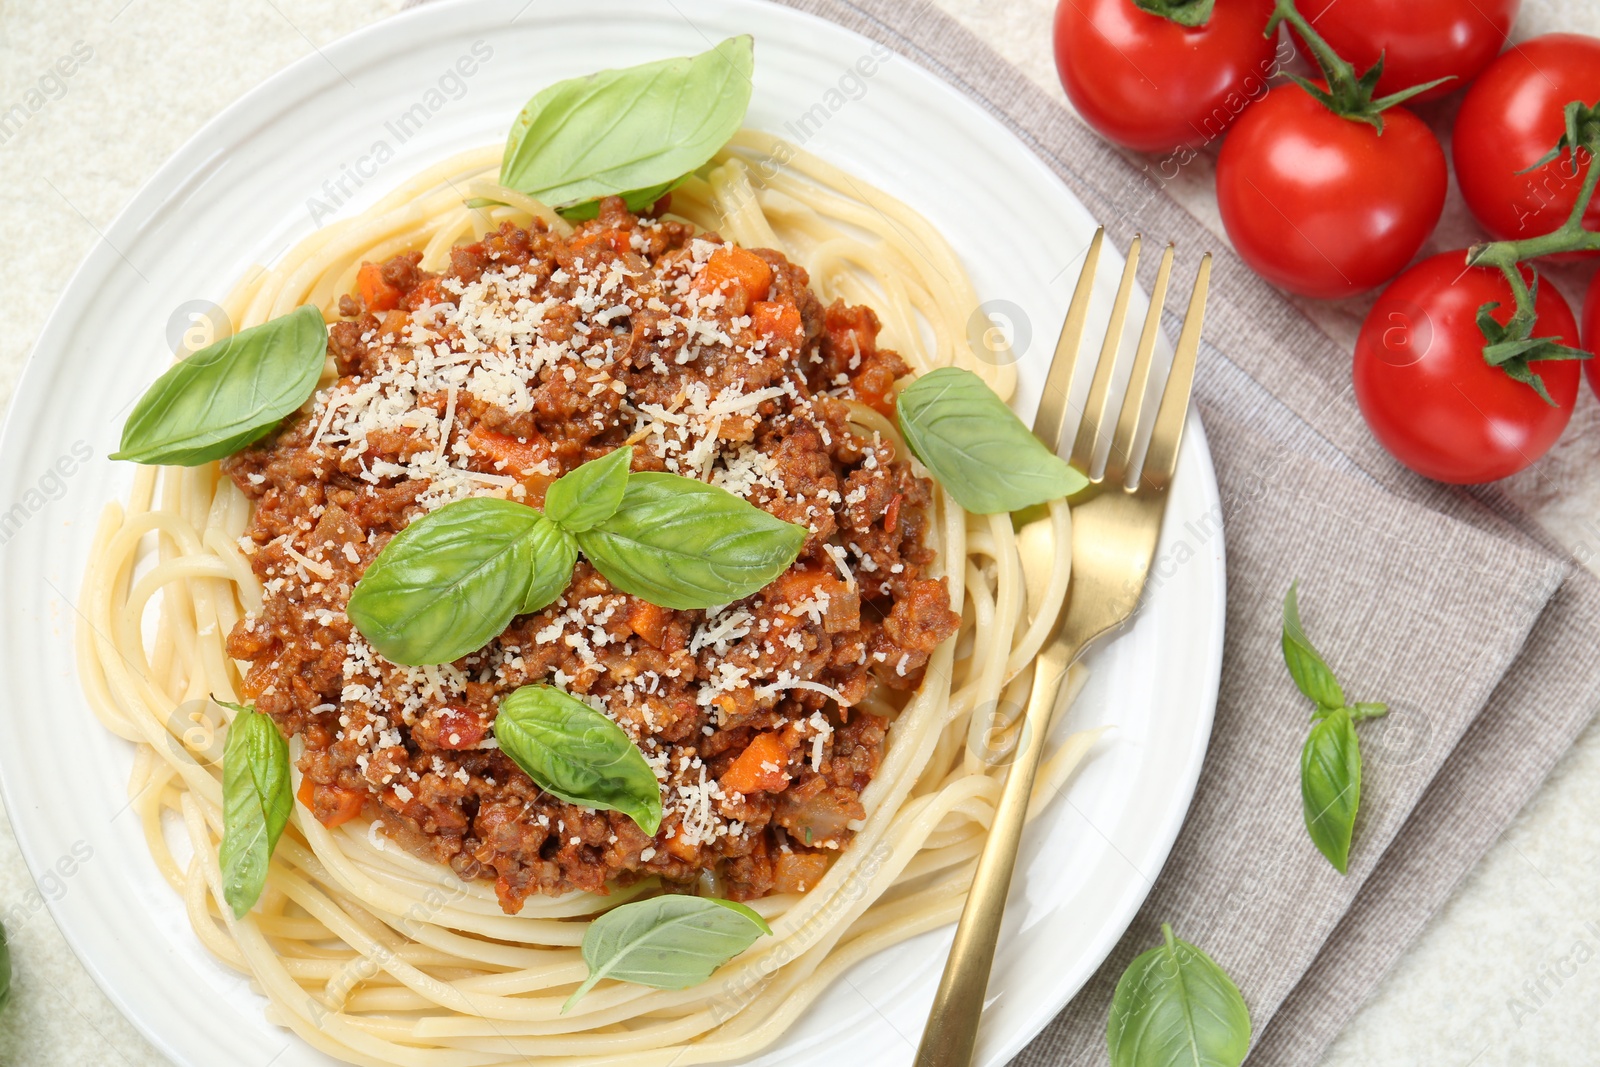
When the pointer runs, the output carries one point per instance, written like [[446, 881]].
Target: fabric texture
[[1448, 603]]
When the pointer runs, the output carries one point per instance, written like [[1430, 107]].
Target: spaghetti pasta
[[376, 956]]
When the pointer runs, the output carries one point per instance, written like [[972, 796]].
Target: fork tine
[[1051, 419], [1121, 454], [1161, 461], [1094, 410]]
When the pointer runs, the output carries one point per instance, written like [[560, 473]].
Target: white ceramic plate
[[250, 183]]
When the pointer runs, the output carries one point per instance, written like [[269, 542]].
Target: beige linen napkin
[[1448, 603]]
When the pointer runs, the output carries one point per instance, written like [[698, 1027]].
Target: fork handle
[[952, 1028]]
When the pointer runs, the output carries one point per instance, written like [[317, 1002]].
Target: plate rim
[[171, 180]]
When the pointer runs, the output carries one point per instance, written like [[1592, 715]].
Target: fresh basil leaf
[[632, 131], [1330, 785], [684, 544], [1308, 669], [256, 801], [976, 447], [553, 554], [5, 970], [574, 752], [449, 582], [667, 942], [589, 494], [1174, 1007], [228, 394]]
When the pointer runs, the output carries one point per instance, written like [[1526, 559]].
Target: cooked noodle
[[378, 957]]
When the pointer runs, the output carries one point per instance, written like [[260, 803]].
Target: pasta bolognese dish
[[582, 609]]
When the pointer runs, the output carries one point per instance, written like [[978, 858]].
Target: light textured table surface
[[1506, 974]]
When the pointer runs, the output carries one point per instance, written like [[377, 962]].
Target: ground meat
[[530, 354]]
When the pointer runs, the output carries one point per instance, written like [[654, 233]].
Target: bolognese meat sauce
[[530, 354]]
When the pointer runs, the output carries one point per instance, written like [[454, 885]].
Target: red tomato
[[1325, 206], [1150, 84], [1591, 333], [1420, 40], [1511, 117], [1426, 392]]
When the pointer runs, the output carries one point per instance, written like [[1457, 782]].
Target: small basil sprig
[[452, 580], [1174, 1007], [1330, 762], [256, 802], [660, 120], [668, 942], [977, 447], [228, 394], [572, 751]]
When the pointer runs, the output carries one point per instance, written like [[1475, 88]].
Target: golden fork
[[1114, 532]]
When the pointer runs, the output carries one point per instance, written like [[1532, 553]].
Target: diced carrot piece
[[682, 848], [648, 620], [346, 805], [376, 294], [796, 872], [842, 610], [775, 320], [874, 387], [760, 767], [393, 324], [739, 274], [332, 805], [522, 459]]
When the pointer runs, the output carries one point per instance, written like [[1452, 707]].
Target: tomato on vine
[[1430, 395], [1323, 190], [1509, 119], [1161, 75], [1419, 41]]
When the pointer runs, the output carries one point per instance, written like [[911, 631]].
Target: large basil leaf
[[667, 942], [1330, 785], [976, 447], [571, 750], [630, 132], [684, 544], [256, 801], [449, 582], [229, 393], [1309, 670], [589, 494], [1174, 1007]]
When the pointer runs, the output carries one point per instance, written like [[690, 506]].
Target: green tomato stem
[[1348, 95], [1188, 13], [1340, 75], [1570, 236]]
